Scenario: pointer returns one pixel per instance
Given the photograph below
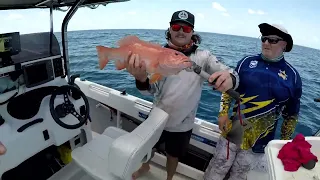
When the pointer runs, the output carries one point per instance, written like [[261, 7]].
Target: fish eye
[[176, 53]]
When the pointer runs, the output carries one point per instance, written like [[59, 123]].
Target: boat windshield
[[27, 39]]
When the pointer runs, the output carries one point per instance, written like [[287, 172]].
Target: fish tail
[[103, 54]]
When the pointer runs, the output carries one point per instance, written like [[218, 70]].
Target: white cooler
[[276, 169]]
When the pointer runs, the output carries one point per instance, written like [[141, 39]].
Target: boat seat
[[114, 132], [116, 154]]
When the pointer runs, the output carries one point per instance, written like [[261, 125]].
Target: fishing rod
[[198, 70], [318, 132]]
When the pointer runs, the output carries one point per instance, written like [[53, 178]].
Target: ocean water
[[229, 49]]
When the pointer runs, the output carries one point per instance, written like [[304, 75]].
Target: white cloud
[[259, 12], [218, 7], [201, 15], [132, 12], [226, 14], [14, 16], [250, 11]]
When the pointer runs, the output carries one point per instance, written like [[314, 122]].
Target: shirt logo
[[282, 74], [253, 64], [183, 15]]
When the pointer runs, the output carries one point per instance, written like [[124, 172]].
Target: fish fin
[[134, 39], [120, 65], [155, 77], [103, 56], [128, 40]]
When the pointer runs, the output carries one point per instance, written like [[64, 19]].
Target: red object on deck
[[295, 153]]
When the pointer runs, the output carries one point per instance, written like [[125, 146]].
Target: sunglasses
[[270, 40], [177, 27]]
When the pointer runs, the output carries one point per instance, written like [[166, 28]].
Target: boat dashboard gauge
[[38, 73]]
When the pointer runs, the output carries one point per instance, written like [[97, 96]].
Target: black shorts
[[176, 143]]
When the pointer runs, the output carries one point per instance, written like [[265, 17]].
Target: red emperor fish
[[160, 62]]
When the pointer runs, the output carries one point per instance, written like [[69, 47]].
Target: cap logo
[[183, 15]]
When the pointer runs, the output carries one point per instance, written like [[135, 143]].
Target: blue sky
[[237, 17]]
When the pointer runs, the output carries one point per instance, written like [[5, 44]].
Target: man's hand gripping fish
[[160, 62]]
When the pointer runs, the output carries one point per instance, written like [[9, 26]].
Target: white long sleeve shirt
[[179, 95]]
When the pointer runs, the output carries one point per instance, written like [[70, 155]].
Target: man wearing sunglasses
[[179, 95], [271, 88]]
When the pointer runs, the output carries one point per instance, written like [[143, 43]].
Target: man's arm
[[145, 87], [291, 111], [225, 98], [214, 65]]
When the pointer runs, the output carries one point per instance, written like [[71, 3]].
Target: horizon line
[[164, 30]]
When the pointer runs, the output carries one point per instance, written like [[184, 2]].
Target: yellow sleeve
[[288, 127], [224, 104]]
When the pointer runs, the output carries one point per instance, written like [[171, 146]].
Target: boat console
[[38, 107], [45, 120]]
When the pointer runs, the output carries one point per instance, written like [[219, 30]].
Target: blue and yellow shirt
[[268, 91]]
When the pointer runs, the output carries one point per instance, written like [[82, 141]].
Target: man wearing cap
[[179, 95], [270, 88]]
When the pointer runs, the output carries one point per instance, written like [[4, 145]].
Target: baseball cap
[[275, 29], [183, 16]]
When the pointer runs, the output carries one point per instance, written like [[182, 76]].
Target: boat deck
[[73, 172], [101, 121], [158, 172]]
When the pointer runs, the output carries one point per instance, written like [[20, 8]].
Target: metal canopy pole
[[64, 27], [51, 27]]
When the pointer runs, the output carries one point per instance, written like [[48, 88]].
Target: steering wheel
[[67, 107]]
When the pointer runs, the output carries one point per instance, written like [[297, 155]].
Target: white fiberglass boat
[[58, 127]]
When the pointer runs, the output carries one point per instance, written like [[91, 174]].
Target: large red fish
[[160, 61]]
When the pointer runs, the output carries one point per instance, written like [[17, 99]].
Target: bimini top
[[28, 4]]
